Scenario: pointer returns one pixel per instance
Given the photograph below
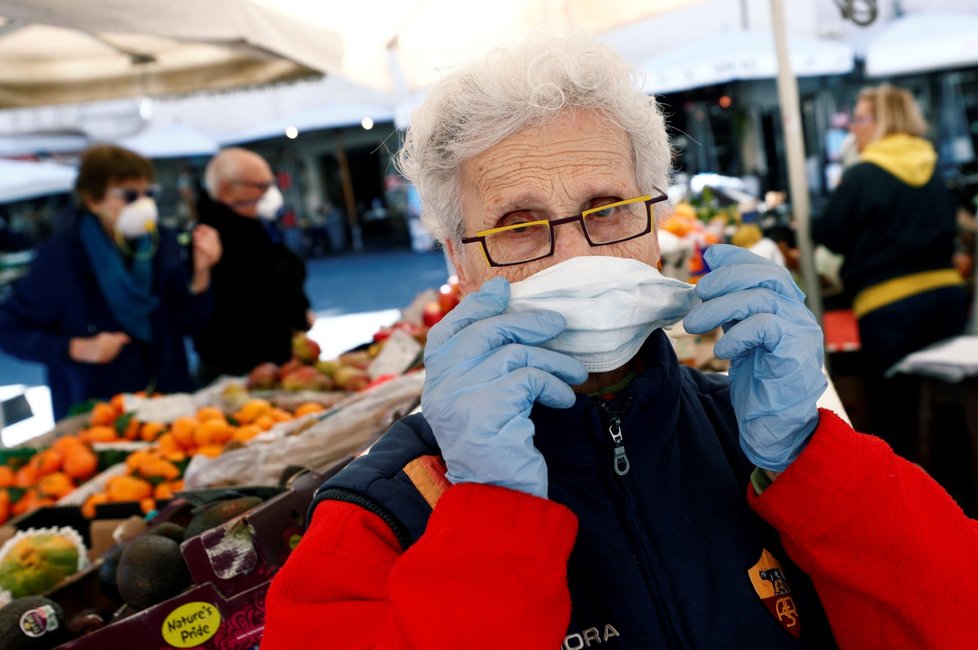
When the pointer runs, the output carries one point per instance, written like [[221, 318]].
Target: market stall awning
[[329, 116], [407, 45], [60, 51], [740, 54], [20, 179], [924, 41], [171, 141]]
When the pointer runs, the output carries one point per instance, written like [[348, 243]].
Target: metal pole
[[795, 147]]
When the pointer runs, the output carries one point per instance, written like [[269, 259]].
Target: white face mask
[[137, 218], [269, 204], [611, 305]]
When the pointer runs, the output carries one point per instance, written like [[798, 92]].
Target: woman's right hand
[[101, 348]]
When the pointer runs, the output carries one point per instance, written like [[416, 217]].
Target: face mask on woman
[[611, 305], [137, 218]]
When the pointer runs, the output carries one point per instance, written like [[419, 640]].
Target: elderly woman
[[569, 484], [106, 305], [894, 221]]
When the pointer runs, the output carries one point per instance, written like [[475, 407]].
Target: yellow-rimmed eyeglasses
[[526, 241]]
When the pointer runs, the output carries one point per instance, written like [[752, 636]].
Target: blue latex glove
[[482, 375], [774, 345]]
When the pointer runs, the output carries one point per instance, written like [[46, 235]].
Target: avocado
[[25, 624], [168, 529], [217, 513], [151, 570], [107, 572]]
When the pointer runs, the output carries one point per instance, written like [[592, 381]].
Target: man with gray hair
[[568, 483], [259, 297]]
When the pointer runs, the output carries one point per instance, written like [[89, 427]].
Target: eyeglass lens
[[532, 242]]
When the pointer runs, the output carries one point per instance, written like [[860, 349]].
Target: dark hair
[[104, 164]]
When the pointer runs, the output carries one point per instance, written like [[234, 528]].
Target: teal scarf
[[127, 291]]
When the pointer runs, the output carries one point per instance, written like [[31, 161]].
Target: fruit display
[[306, 372]]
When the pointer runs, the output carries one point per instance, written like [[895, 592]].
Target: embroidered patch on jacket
[[773, 589], [428, 475]]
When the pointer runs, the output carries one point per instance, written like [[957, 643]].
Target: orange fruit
[[211, 451], [55, 485], [147, 505], [118, 402], [252, 410], [103, 414], [66, 443], [4, 506], [183, 430], [163, 491], [127, 488], [210, 413], [88, 508], [170, 449], [25, 477], [245, 433], [7, 476], [280, 415], [99, 433], [264, 422], [214, 431], [47, 461], [309, 407], [150, 431], [80, 464], [154, 467], [137, 458], [132, 429]]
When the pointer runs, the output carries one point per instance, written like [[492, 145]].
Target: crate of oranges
[[116, 457]]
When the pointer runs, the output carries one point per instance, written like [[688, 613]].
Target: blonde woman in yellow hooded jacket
[[894, 221]]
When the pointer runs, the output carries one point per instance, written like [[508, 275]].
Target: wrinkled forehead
[[576, 153]]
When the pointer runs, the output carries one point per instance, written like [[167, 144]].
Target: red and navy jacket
[[668, 554]]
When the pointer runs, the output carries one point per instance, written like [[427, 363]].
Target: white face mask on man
[[611, 305], [269, 204], [137, 218]]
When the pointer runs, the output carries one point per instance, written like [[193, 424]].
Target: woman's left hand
[[207, 253]]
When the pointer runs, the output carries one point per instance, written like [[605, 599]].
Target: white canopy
[[406, 45], [171, 141], [734, 55], [21, 179], [924, 41], [58, 51], [329, 116]]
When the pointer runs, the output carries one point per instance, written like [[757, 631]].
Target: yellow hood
[[909, 158]]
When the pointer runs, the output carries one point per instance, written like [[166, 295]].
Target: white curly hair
[[512, 88]]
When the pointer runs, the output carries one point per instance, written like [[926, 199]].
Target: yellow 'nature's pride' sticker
[[191, 624]]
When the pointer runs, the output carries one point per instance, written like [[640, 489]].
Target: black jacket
[[885, 227], [664, 550], [259, 299]]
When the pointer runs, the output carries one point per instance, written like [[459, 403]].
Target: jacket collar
[[576, 441]]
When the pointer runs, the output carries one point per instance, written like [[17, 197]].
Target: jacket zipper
[[620, 462], [667, 600]]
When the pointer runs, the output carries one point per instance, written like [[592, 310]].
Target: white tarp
[[20, 179], [924, 41], [171, 141], [740, 54], [58, 51]]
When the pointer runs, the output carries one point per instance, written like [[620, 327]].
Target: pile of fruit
[[153, 472], [306, 371]]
